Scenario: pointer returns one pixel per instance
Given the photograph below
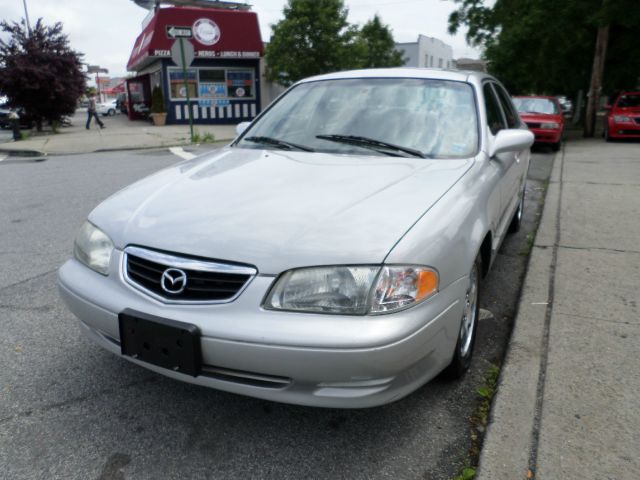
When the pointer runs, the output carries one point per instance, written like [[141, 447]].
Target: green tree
[[377, 47], [39, 71], [313, 38], [537, 46]]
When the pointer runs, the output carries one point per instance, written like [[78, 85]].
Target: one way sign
[[179, 32]]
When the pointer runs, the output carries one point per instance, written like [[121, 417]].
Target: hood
[[625, 110], [277, 210]]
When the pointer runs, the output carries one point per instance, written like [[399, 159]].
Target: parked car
[[565, 104], [331, 256], [623, 117], [26, 121], [122, 103], [108, 108], [543, 115]]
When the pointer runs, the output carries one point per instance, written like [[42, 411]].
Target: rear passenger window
[[494, 115], [513, 120]]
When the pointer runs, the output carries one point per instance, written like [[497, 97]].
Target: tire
[[463, 352], [111, 112], [555, 147], [514, 226]]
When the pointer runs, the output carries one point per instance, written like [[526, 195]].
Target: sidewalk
[[568, 402], [120, 134]]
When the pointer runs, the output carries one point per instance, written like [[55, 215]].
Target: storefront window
[[213, 84], [240, 83], [178, 90]]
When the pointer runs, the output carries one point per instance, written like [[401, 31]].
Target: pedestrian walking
[[15, 125], [92, 112]]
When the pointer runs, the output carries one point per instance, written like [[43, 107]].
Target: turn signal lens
[[399, 287]]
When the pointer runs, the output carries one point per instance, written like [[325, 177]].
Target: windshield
[[629, 101], [365, 116], [536, 105]]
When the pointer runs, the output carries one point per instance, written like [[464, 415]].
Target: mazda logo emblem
[[173, 281]]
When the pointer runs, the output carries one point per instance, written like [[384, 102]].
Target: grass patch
[[479, 421], [203, 137], [526, 250]]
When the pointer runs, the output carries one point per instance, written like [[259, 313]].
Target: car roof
[[404, 72]]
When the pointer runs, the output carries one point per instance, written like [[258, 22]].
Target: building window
[[240, 83], [439, 63], [176, 82], [431, 61], [212, 84]]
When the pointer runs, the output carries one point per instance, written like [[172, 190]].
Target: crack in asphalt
[[27, 280], [75, 400], [572, 247]]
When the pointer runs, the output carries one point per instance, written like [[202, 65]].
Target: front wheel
[[468, 326], [111, 112], [516, 221]]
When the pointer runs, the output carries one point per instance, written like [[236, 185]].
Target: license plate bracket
[[159, 341]]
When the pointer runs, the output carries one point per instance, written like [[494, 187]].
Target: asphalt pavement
[[70, 410]]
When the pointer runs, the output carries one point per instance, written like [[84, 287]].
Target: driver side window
[[495, 120]]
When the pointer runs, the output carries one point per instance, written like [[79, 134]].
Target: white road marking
[[2, 157], [179, 152]]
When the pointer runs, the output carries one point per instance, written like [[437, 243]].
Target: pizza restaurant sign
[[216, 34]]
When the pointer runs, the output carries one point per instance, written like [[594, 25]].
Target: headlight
[[550, 125], [401, 286], [621, 119], [352, 290], [93, 248]]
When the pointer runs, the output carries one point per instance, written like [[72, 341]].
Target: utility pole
[[597, 72], [26, 15]]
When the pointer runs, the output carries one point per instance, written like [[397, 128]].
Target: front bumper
[[624, 130], [306, 359], [547, 135]]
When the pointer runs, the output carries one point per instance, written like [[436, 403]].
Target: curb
[[22, 153], [510, 444]]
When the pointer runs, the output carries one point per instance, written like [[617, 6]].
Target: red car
[[623, 118], [543, 116]]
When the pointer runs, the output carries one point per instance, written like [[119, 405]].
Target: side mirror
[[512, 140], [241, 127]]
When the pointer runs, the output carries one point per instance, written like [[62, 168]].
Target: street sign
[[179, 32], [176, 53]]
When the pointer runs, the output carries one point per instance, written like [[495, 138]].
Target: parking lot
[[71, 410]]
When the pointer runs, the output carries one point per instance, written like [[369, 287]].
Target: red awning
[[216, 34]]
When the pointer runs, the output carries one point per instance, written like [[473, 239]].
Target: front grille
[[204, 281], [533, 124]]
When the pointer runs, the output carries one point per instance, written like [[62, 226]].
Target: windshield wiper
[[371, 143], [276, 142]]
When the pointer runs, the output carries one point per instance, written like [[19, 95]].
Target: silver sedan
[[330, 256]]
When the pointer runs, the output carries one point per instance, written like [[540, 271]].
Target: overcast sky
[[105, 31]]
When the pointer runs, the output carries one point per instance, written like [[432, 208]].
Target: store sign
[[206, 31]]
